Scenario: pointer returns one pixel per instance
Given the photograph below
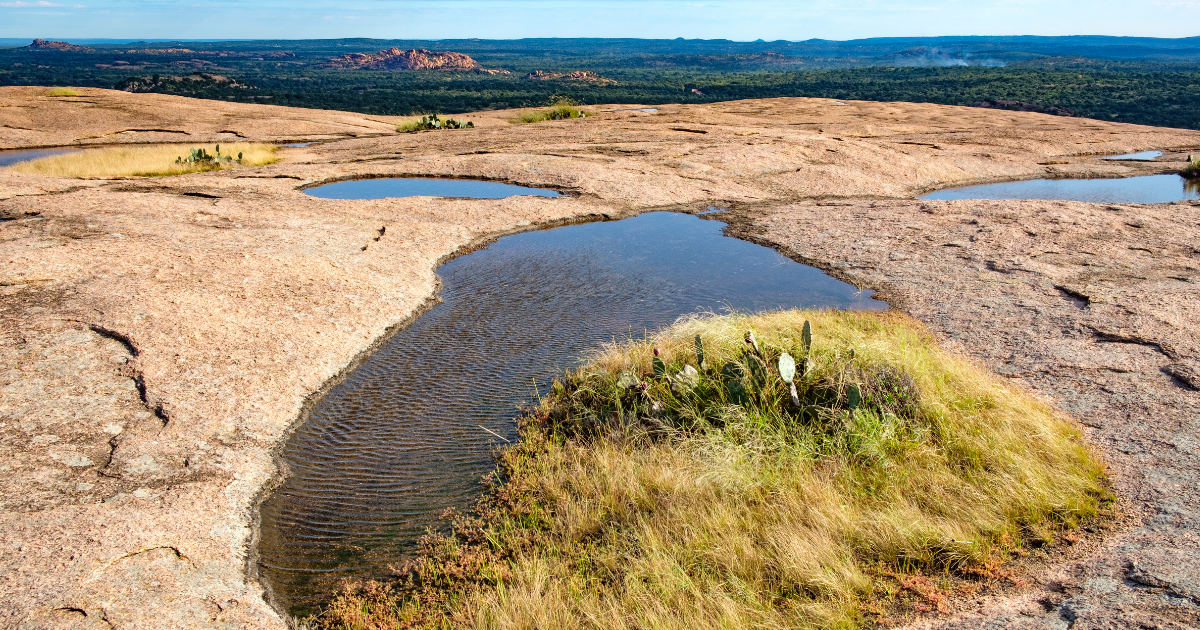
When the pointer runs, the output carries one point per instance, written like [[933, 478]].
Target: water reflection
[[1146, 189], [424, 187]]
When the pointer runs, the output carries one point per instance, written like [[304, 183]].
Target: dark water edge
[[411, 431], [1143, 189], [384, 187]]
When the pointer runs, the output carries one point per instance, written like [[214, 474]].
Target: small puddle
[[1145, 189], [424, 187], [1144, 156], [410, 431], [8, 158], [297, 145]]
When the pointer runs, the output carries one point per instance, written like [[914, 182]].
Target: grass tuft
[[560, 109], [1192, 170], [149, 161], [641, 496], [63, 91]]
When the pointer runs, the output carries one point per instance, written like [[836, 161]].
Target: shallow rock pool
[[410, 432], [424, 187], [1145, 189]]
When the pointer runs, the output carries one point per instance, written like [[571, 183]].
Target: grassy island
[[151, 161], [820, 469]]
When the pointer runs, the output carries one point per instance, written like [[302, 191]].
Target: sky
[[743, 20]]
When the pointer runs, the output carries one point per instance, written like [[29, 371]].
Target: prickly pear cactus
[[787, 367], [685, 380], [758, 370], [734, 376], [753, 343], [853, 396], [737, 392], [699, 352], [660, 368], [628, 380]]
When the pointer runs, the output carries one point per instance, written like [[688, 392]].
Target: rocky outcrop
[[174, 84], [415, 59], [578, 75], [42, 44]]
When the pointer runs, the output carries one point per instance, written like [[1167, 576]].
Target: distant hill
[[41, 44]]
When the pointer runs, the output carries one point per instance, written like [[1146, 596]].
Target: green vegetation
[[793, 476], [201, 159], [560, 109], [1106, 79], [433, 123], [149, 161], [1192, 171], [63, 91]]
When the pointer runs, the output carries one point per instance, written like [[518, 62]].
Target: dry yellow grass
[[144, 161], [632, 508]]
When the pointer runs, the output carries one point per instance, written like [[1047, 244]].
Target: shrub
[[1192, 170], [433, 123]]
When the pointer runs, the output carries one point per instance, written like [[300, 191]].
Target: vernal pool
[[1145, 189], [410, 432], [384, 187]]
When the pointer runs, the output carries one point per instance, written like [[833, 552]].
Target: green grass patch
[[63, 91], [683, 482], [560, 109]]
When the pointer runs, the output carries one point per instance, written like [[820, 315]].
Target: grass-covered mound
[[151, 161], [690, 490], [560, 109]]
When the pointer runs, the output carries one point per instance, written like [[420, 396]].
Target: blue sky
[[496, 19]]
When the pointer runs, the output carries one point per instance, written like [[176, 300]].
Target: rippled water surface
[[424, 187], [1145, 189], [403, 437], [8, 158]]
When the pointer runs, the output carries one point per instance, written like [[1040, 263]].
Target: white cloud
[[41, 3]]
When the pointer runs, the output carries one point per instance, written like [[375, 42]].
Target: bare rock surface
[[30, 118], [160, 335]]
